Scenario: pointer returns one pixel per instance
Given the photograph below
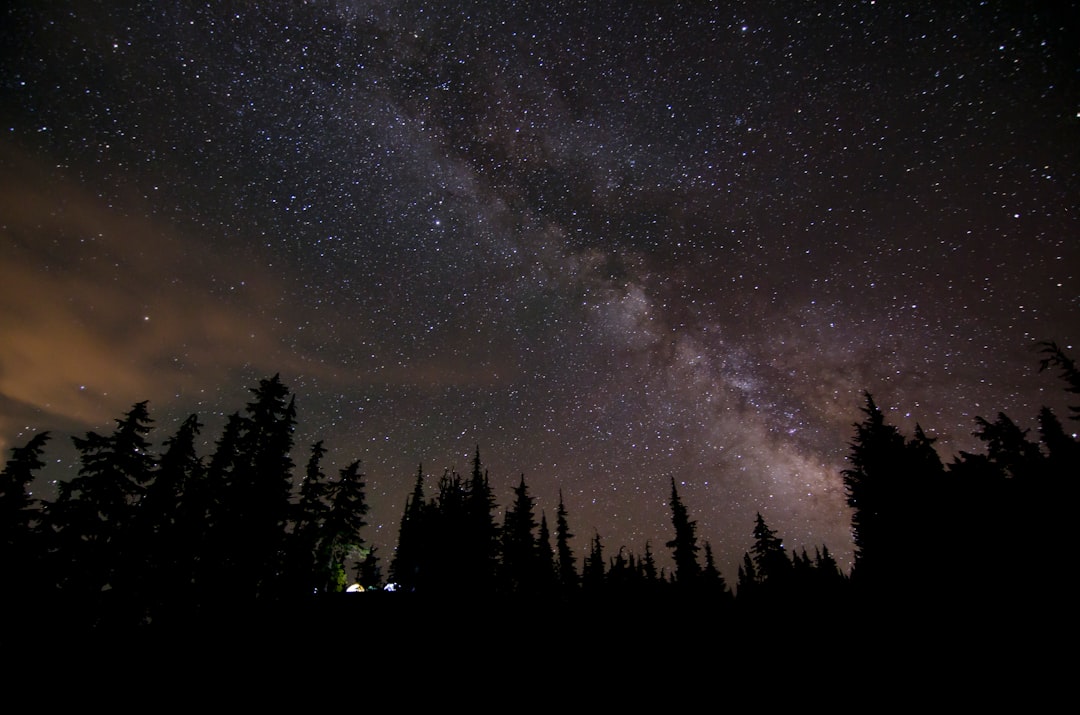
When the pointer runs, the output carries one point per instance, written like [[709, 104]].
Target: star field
[[608, 246]]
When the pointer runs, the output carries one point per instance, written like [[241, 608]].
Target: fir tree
[[684, 546], [407, 570], [479, 549], [648, 566], [20, 549], [547, 573], [341, 538], [875, 485], [92, 515], [309, 516], [748, 581], [1054, 356], [712, 580], [567, 568], [520, 568], [168, 529], [771, 563], [593, 572]]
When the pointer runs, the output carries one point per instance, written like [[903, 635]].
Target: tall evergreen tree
[[712, 580], [594, 571], [748, 582], [168, 529], [1054, 356], [479, 547], [684, 546], [520, 565], [547, 569], [20, 549], [649, 573], [568, 575], [770, 559], [93, 512], [407, 566], [309, 516], [341, 538], [252, 474], [875, 484]]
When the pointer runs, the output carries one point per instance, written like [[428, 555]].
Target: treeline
[[141, 536]]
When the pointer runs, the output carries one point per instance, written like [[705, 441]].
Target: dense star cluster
[[610, 246]]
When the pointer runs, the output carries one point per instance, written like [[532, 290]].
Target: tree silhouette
[[547, 570], [875, 485], [341, 538], [479, 557], [520, 562], [251, 472], [594, 570], [92, 515], [567, 568], [1054, 356], [168, 528], [309, 517], [407, 569], [20, 551], [771, 563], [712, 581], [684, 546]]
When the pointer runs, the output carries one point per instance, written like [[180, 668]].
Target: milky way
[[610, 247]]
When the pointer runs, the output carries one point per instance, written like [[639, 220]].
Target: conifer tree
[[568, 575], [684, 546], [479, 548], [547, 573], [368, 570], [748, 581], [345, 518], [252, 475], [647, 564], [93, 512], [407, 569], [168, 529], [771, 562], [593, 572], [309, 516], [1054, 356], [520, 567], [712, 580], [20, 549], [875, 484]]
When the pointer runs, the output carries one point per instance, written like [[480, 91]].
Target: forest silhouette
[[171, 541]]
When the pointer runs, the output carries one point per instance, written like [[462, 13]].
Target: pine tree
[[593, 572], [770, 560], [407, 569], [251, 472], [168, 529], [520, 569], [309, 516], [20, 548], [684, 546], [341, 538], [368, 570], [92, 515], [712, 580], [479, 548], [648, 567], [748, 582], [568, 575], [547, 573], [1054, 356], [875, 485]]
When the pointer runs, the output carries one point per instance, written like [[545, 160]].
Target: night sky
[[611, 244]]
